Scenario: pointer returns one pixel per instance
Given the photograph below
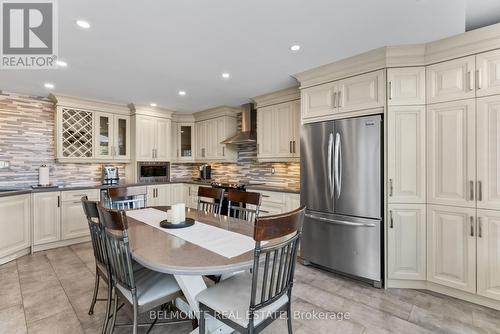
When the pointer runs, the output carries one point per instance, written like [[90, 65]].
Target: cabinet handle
[[471, 188], [291, 147], [471, 226], [294, 151], [392, 219], [391, 188], [339, 103], [470, 80], [58, 201], [334, 100], [203, 154], [223, 151], [390, 90], [479, 191], [177, 152], [479, 227], [478, 78], [263, 211], [265, 196], [258, 148]]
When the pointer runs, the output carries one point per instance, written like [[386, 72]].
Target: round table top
[[166, 253]]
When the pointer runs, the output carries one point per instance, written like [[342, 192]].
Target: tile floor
[[50, 292]]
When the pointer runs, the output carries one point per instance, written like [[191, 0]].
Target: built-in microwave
[[153, 171]]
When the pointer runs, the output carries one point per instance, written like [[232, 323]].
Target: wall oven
[[153, 172]]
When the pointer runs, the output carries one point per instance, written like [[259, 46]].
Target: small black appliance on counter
[[205, 172]]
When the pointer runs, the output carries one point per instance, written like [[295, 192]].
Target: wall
[[27, 140]]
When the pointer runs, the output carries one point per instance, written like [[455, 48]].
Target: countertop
[[14, 191]]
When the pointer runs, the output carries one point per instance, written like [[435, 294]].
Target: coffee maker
[[205, 172], [110, 175]]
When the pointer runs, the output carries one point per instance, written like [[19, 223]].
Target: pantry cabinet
[[15, 222], [406, 242], [406, 170], [406, 86], [451, 153], [451, 247], [488, 253], [152, 138]]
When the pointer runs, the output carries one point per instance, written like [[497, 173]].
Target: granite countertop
[[21, 190]]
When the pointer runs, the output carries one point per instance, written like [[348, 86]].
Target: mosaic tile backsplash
[[27, 141]]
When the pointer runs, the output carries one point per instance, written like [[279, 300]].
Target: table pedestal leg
[[191, 286]]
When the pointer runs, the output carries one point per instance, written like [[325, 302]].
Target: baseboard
[[14, 256], [62, 243]]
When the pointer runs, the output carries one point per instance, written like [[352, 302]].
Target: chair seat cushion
[[231, 298], [153, 289]]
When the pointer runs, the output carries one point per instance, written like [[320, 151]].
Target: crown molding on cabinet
[[216, 112], [280, 96], [150, 111], [468, 43], [88, 104], [182, 118]]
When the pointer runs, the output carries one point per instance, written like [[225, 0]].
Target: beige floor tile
[[33, 281], [10, 290], [442, 323], [12, 320], [45, 303], [60, 323]]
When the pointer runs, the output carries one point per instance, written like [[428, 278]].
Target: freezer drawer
[[344, 244]]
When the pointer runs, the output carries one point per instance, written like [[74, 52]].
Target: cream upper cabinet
[[488, 253], [278, 132], [210, 134], [152, 142], [14, 224], [488, 73], [112, 136], [451, 149], [406, 242], [365, 91], [183, 142], [488, 153], [46, 217], [406, 154], [406, 86], [319, 101], [451, 80], [201, 139], [451, 247]]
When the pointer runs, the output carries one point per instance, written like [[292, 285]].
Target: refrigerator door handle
[[330, 181], [339, 222], [338, 163]]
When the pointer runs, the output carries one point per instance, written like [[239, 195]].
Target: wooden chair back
[[238, 201], [215, 194], [125, 198], [96, 230]]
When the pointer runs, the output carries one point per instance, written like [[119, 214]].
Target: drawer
[[272, 197], [267, 209], [76, 195]]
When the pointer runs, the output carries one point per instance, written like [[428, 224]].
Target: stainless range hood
[[248, 134]]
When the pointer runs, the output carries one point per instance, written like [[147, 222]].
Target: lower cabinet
[[406, 242], [74, 221], [275, 202], [178, 193], [451, 247], [191, 191], [159, 195], [488, 253], [14, 225]]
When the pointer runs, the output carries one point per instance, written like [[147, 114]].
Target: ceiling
[[147, 51]]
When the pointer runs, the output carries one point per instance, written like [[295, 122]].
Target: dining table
[[159, 250]]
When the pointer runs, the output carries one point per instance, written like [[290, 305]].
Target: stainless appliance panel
[[153, 171], [357, 167], [344, 244], [316, 150]]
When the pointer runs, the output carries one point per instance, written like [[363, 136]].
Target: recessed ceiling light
[[152, 104], [83, 24], [226, 75], [295, 47], [48, 85], [61, 63], [182, 93]]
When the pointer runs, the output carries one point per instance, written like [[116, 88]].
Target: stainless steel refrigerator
[[341, 187]]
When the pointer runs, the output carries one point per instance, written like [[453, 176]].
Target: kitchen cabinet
[[152, 138], [406, 242], [15, 222], [488, 253], [292, 202], [451, 80], [159, 195], [275, 202], [451, 153], [451, 247], [183, 139], [488, 73], [488, 152], [406, 86], [73, 220], [406, 167], [278, 132], [319, 101], [191, 191], [112, 137], [209, 136], [178, 193], [46, 217]]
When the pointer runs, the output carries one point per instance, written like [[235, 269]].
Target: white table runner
[[223, 242]]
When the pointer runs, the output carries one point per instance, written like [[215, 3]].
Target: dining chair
[[266, 292], [214, 194], [144, 289], [238, 202], [125, 198]]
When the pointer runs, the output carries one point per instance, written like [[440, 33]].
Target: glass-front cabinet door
[[185, 141], [121, 146], [103, 138]]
